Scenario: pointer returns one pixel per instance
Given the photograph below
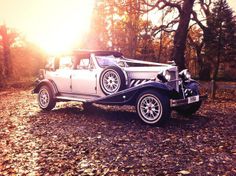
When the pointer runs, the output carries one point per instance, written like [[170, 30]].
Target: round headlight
[[167, 75], [185, 74]]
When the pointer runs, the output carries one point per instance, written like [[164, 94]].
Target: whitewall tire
[[112, 80], [152, 107], [45, 98]]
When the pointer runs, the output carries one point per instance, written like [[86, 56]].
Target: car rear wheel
[[45, 98], [153, 108], [112, 80]]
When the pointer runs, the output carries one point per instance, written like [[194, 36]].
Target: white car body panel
[[143, 72], [85, 81], [141, 75], [61, 78]]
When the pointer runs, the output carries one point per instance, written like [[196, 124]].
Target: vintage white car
[[107, 77]]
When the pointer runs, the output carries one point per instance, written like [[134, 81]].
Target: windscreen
[[104, 61]]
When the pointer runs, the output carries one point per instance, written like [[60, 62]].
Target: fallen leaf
[[184, 172]]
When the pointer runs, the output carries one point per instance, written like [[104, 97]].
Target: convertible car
[[107, 77]]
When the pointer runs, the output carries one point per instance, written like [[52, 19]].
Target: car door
[[62, 79], [62, 75], [84, 79]]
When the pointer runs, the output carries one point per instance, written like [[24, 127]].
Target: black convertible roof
[[87, 53]]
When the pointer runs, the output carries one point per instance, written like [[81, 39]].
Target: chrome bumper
[[189, 100]]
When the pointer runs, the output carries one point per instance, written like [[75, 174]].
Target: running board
[[76, 97], [71, 99]]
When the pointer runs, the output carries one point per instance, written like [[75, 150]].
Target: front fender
[[128, 96], [193, 81], [193, 85], [45, 82]]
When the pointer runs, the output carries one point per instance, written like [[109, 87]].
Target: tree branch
[[195, 18], [165, 27], [161, 4]]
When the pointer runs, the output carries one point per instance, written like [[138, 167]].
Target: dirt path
[[113, 141]]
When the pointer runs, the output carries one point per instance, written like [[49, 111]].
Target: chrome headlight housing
[[164, 76], [184, 74], [167, 75]]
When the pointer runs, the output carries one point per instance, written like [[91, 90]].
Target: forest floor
[[110, 140]]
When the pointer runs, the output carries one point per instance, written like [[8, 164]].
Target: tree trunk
[[217, 64], [7, 64], [181, 34], [199, 59], [161, 39], [160, 47], [134, 15]]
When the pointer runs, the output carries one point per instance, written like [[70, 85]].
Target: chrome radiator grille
[[173, 80]]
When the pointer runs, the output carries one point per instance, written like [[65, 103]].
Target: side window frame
[[77, 63], [67, 63]]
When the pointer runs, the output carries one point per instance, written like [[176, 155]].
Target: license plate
[[193, 99]]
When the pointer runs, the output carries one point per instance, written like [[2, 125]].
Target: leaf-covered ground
[[107, 140]]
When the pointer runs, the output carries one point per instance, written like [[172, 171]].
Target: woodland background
[[197, 34], [110, 140]]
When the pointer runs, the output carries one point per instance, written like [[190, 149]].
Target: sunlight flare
[[66, 29], [53, 25]]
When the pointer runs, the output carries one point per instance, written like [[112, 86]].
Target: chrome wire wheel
[[44, 98], [111, 81], [152, 107]]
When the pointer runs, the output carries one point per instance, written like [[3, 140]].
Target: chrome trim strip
[[181, 102]]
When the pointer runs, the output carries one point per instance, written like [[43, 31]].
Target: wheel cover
[[44, 98], [111, 81], [150, 108]]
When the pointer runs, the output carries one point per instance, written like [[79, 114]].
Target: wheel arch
[[151, 88], [48, 83], [129, 96]]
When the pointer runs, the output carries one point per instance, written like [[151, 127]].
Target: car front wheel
[[153, 108], [45, 98]]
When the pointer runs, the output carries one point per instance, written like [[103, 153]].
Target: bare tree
[[184, 9]]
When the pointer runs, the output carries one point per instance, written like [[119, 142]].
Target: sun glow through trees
[[66, 27], [55, 25]]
